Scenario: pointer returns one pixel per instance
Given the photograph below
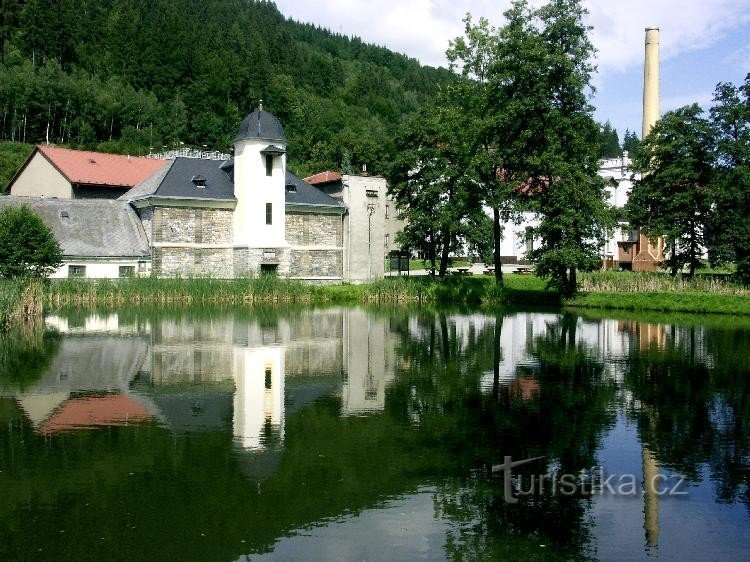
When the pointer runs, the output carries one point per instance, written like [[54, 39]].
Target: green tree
[[429, 179], [561, 155], [630, 142], [673, 197], [27, 245], [730, 224], [609, 141]]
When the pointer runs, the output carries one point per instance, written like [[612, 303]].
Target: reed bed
[[258, 290], [20, 301], [632, 282]]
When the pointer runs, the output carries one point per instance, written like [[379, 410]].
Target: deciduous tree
[[27, 245]]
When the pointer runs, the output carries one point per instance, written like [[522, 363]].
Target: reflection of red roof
[[323, 177], [98, 168], [93, 411], [524, 387]]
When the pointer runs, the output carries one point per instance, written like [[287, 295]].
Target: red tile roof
[[94, 411], [323, 177], [98, 168]]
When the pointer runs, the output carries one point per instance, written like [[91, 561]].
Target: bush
[[27, 246]]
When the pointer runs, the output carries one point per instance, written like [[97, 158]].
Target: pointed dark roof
[[176, 180], [261, 125]]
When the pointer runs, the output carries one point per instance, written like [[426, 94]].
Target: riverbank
[[600, 290]]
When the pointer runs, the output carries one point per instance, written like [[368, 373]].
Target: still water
[[351, 434]]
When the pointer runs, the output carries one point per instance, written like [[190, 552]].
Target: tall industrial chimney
[[651, 80]]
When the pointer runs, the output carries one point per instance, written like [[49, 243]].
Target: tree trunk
[[445, 253], [572, 282], [496, 238]]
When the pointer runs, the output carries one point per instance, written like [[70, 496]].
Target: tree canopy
[[28, 247], [128, 75]]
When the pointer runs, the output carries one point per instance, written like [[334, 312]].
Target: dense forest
[[129, 75]]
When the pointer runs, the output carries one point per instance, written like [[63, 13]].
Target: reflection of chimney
[[651, 80]]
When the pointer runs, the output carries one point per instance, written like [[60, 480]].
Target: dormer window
[[199, 181], [291, 188], [64, 215]]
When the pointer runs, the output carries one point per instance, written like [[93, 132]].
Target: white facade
[[255, 190], [103, 268]]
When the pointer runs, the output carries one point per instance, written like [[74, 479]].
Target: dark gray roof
[[176, 180], [92, 228], [306, 194], [261, 125]]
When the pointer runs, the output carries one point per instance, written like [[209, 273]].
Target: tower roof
[[261, 124]]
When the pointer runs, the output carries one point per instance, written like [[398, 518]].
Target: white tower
[[260, 182]]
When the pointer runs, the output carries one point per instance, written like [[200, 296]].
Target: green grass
[[12, 156]]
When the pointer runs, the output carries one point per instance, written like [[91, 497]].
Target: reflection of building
[[368, 361]]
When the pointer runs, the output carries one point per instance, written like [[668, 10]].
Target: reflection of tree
[[563, 420], [692, 404], [25, 354]]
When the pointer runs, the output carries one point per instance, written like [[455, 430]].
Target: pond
[[374, 433]]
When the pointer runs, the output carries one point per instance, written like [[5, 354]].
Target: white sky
[[703, 42]]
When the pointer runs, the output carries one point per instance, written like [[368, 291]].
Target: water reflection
[[285, 419]]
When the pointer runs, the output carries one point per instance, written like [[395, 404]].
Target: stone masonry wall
[[193, 262], [317, 263], [186, 225], [312, 229]]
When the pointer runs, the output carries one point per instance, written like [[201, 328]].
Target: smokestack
[[651, 80]]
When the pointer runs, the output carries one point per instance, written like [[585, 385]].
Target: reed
[[638, 282], [20, 301]]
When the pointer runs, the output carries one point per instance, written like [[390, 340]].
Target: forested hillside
[[127, 75]]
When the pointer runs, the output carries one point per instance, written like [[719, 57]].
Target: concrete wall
[[364, 227], [41, 179]]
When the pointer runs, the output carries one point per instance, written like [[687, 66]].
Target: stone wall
[[187, 225], [147, 220], [192, 262], [317, 263], [313, 229]]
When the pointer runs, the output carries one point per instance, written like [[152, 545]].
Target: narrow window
[[269, 165], [386, 211], [268, 378], [269, 213], [387, 239]]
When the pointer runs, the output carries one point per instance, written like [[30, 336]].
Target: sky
[[703, 42]]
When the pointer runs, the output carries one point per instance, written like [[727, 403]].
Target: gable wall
[[41, 179]]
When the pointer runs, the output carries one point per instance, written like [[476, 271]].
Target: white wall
[[101, 269], [253, 189]]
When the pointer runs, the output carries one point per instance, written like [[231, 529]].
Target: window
[[269, 165], [127, 271], [269, 213], [371, 192], [386, 211], [268, 378], [76, 271], [268, 268], [387, 239]]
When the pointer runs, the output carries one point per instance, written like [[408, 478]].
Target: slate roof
[[261, 124], [97, 168], [93, 227], [306, 194], [176, 180]]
